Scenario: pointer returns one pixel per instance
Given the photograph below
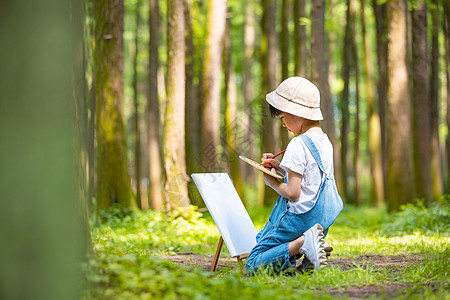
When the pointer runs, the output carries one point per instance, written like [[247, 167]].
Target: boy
[[308, 203]]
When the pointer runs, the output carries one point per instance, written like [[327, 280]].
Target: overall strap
[[314, 151]]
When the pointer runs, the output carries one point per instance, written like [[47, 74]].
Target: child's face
[[292, 123]]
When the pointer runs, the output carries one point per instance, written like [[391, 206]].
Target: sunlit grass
[[128, 250]]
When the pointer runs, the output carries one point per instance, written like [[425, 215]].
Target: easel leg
[[216, 257]]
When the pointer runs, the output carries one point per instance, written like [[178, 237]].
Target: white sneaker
[[313, 247]]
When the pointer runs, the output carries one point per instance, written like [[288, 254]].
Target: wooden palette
[[260, 167]]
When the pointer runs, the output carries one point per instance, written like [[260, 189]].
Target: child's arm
[[290, 190]]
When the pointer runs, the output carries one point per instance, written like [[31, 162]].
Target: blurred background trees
[[190, 95]]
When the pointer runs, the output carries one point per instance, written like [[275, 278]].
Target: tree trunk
[[436, 171], [380, 20], [400, 170], [320, 72], [40, 237], [284, 50], [300, 38], [271, 132], [345, 105], [421, 105], [174, 129], [248, 126], [153, 120], [113, 185], [377, 194], [231, 115], [137, 133], [211, 88], [447, 64]]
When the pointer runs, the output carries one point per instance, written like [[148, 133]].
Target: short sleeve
[[295, 157]]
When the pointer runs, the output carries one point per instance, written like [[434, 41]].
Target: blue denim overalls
[[283, 226]]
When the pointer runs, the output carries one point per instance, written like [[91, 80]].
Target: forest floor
[[393, 264]]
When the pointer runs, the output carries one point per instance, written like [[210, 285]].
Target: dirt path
[[394, 264]]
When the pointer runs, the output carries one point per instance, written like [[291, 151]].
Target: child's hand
[[269, 162]]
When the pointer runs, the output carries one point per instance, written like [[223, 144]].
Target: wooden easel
[[239, 258]]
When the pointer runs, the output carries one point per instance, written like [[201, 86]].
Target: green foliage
[[418, 218], [129, 247]]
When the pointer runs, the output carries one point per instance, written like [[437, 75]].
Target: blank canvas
[[227, 211]]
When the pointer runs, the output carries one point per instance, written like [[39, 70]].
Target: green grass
[[127, 261]]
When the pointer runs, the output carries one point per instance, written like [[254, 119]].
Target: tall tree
[[421, 103], [248, 119], [400, 171], [137, 132], [113, 183], [193, 111], [436, 171], [300, 38], [271, 130], [153, 119], [447, 64], [320, 73], [231, 114], [347, 53], [377, 194], [174, 144], [381, 38], [211, 76], [40, 233], [284, 49]]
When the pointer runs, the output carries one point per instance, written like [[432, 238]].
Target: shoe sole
[[322, 255]]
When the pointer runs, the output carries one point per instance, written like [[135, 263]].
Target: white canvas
[[227, 211]]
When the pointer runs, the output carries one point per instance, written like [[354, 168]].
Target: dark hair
[[274, 112]]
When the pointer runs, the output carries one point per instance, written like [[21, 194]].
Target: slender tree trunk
[[447, 64], [137, 133], [300, 38], [436, 171], [421, 108], [249, 134], [320, 73], [113, 186], [271, 130], [284, 50], [345, 105], [377, 194], [155, 189], [400, 171], [211, 88], [174, 144], [231, 115], [380, 20]]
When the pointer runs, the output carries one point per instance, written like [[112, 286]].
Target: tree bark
[[231, 115], [211, 87], [377, 191], [447, 64], [113, 185], [271, 130], [155, 188], [421, 102], [319, 76], [284, 49], [137, 132], [300, 38], [436, 170], [174, 144], [380, 20], [248, 122], [400, 170]]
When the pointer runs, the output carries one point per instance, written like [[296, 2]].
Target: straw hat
[[297, 96]]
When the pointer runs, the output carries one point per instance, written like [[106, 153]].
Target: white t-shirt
[[298, 158]]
